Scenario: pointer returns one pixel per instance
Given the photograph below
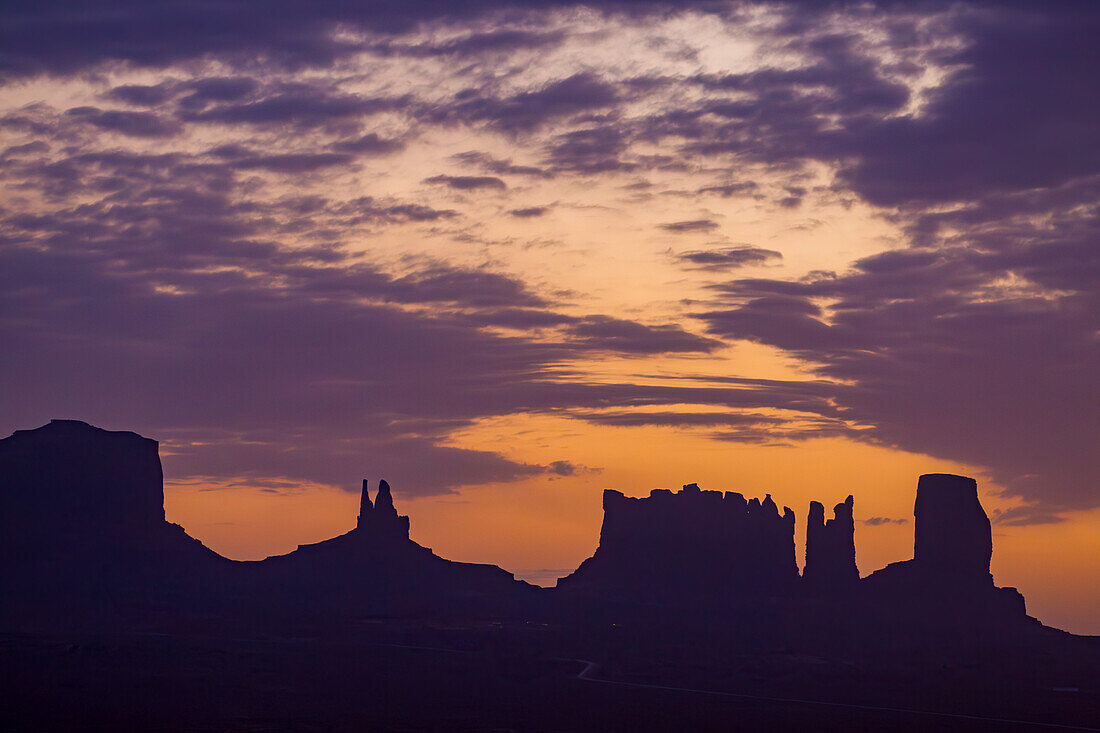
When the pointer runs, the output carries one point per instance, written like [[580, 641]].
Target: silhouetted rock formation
[[952, 535], [381, 518], [691, 544], [83, 535], [365, 507], [375, 568], [83, 540], [952, 549], [82, 529], [69, 479], [830, 549], [704, 549]]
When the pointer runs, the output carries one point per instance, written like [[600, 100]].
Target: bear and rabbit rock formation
[[83, 536]]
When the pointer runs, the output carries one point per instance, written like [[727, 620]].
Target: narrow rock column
[[383, 502], [843, 534], [365, 507], [830, 548], [815, 531]]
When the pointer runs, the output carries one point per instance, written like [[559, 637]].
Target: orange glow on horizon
[[541, 528]]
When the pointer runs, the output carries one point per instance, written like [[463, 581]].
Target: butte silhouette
[[83, 540]]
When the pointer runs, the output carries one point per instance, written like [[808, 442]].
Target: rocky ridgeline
[[82, 527], [693, 545]]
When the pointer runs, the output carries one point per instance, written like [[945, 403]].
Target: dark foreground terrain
[[392, 676]]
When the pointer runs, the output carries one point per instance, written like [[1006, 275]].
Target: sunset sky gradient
[[506, 255]]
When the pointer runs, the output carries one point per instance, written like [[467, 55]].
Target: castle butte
[[83, 535], [696, 547]]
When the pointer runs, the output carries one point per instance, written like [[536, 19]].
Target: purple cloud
[[690, 226], [728, 258], [467, 183]]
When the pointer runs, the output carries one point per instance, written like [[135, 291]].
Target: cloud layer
[[295, 241]]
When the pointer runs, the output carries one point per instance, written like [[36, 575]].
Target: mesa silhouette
[[84, 541]]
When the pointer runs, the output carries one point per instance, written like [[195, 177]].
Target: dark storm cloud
[[728, 258]]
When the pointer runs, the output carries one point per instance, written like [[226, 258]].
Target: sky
[[508, 254]]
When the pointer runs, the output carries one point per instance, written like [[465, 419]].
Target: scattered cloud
[[876, 521], [690, 226], [728, 258], [529, 212], [467, 183]]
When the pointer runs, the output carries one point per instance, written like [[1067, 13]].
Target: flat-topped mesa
[[381, 519], [69, 482], [83, 537], [952, 536], [830, 548], [690, 542]]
